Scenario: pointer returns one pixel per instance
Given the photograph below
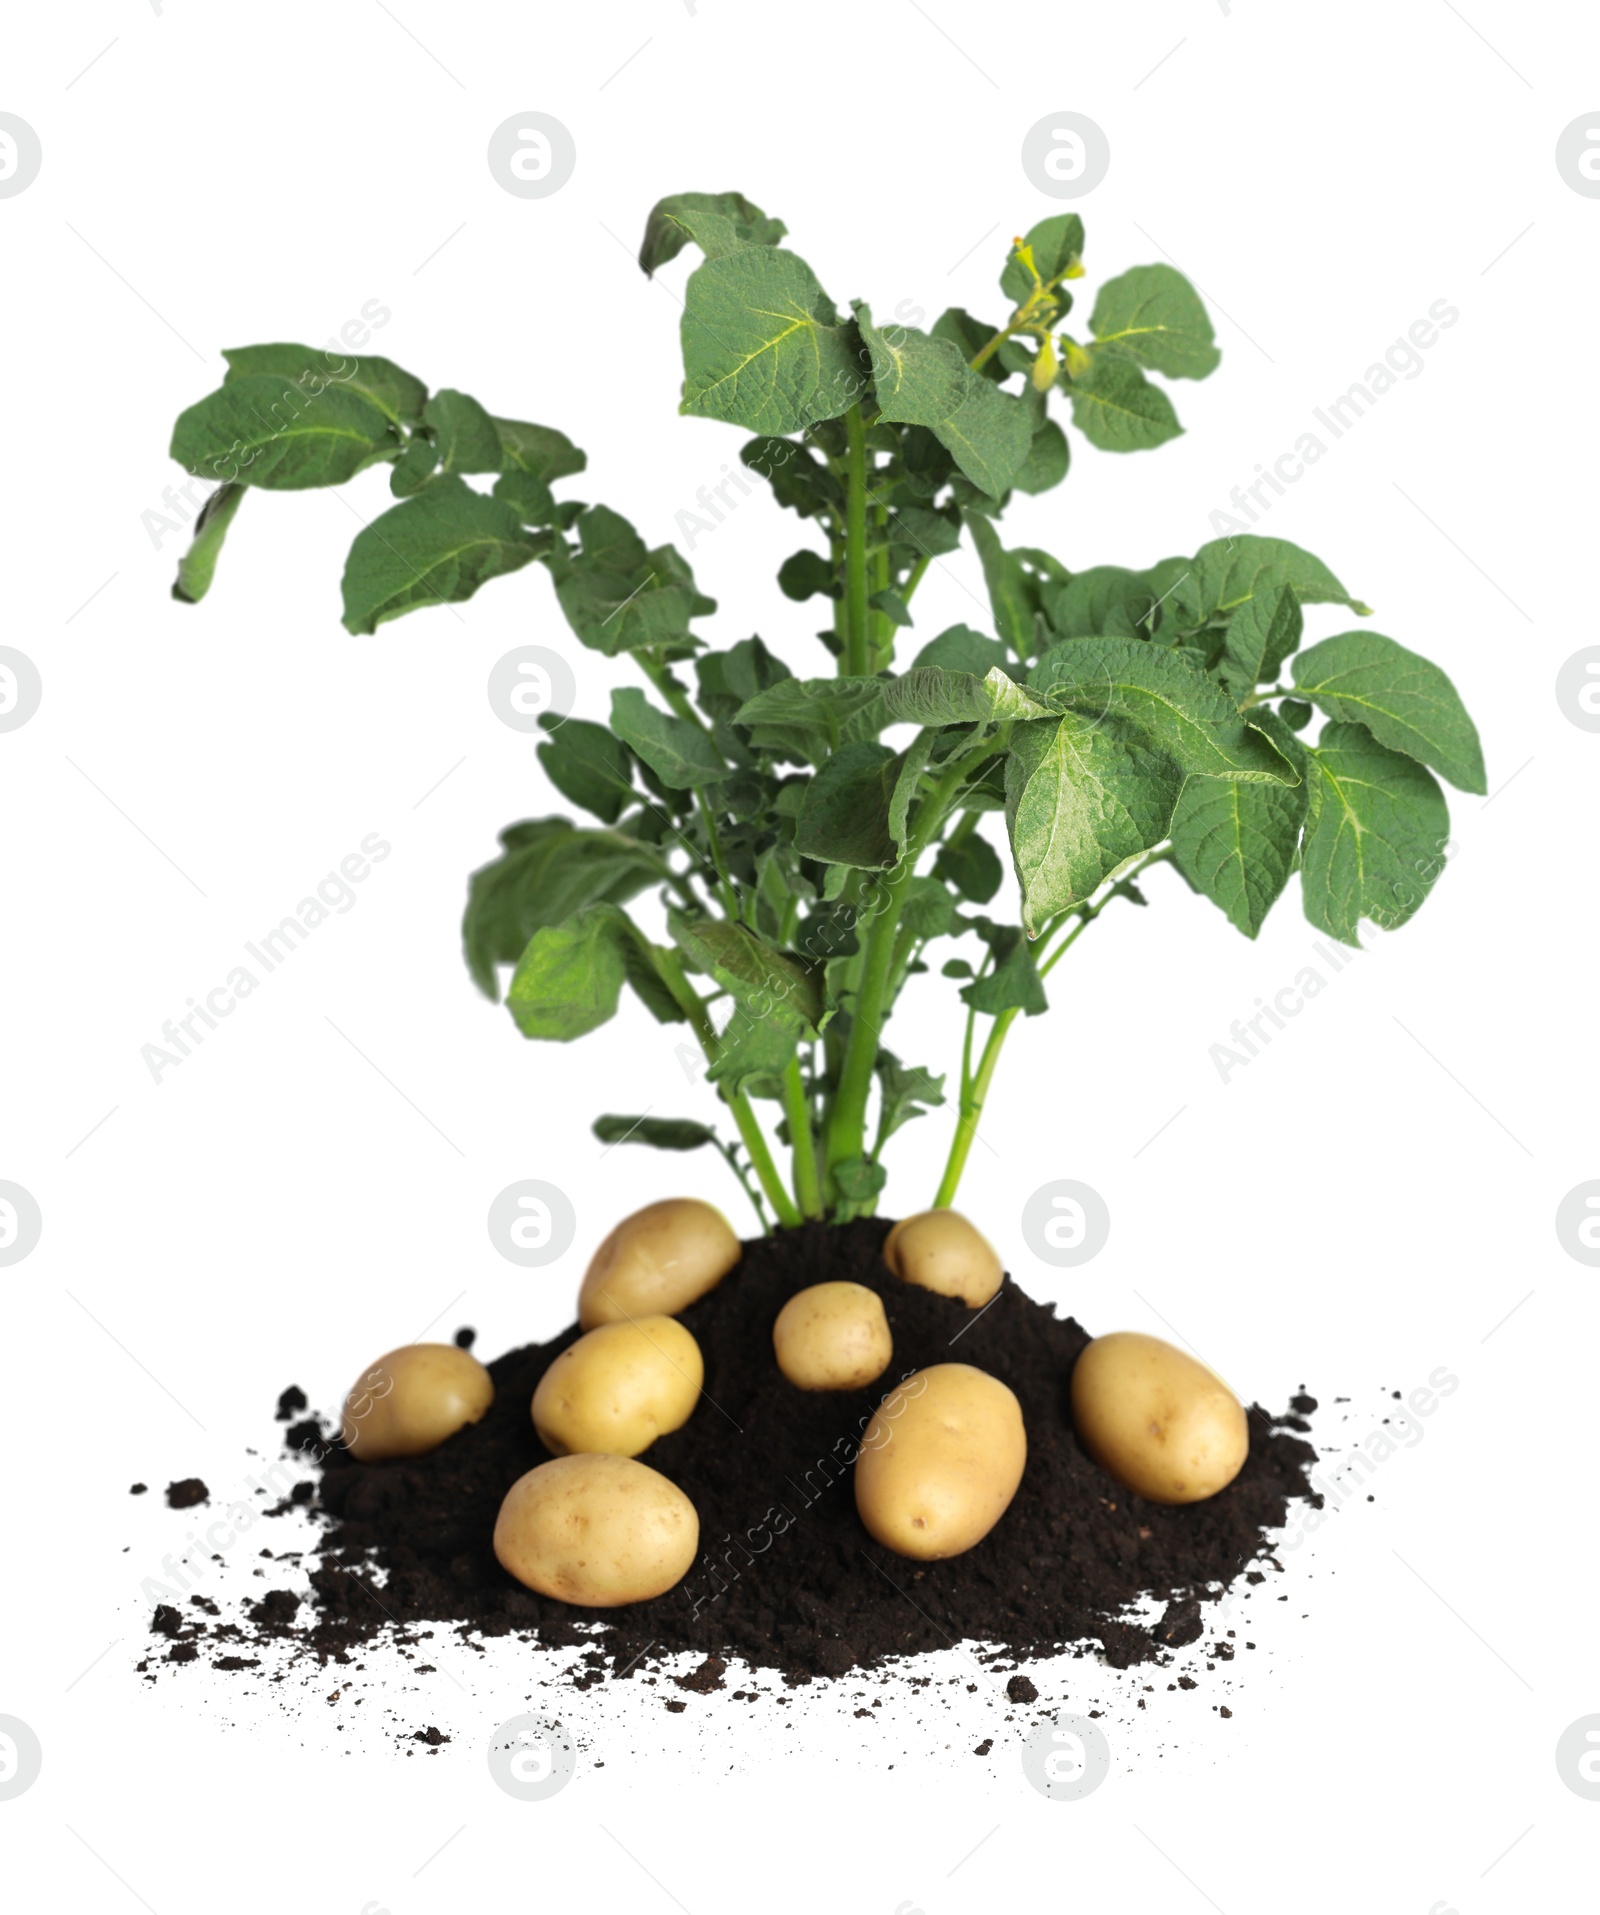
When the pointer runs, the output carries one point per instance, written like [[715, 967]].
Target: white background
[[1365, 1202]]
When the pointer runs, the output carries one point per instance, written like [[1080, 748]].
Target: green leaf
[[1260, 635], [909, 769], [1404, 700], [972, 865], [260, 430], [892, 605], [809, 717], [641, 965], [1117, 409], [761, 345], [398, 394], [198, 566], [918, 381], [548, 869], [906, 1090], [929, 534], [859, 1180], [529, 497], [464, 433], [431, 550], [799, 479], [926, 382], [844, 818], [414, 467], [661, 1133], [588, 766], [570, 977], [1178, 709], [1049, 455], [617, 596], [806, 573], [960, 649], [541, 450], [1226, 574], [1013, 589], [1056, 243], [767, 983], [1014, 984], [1105, 601], [680, 754], [728, 680], [715, 222], [1155, 316], [1376, 829], [930, 695], [1236, 843], [1082, 799], [753, 1051]]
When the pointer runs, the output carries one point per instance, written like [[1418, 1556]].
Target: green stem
[[731, 1158], [730, 897], [881, 644], [914, 578], [689, 1001], [854, 661], [797, 1109], [1260, 698], [972, 1102]]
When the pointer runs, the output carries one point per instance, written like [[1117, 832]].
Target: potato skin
[[598, 1531], [657, 1262], [618, 1388], [410, 1400], [940, 1461], [833, 1336], [1157, 1420], [940, 1250]]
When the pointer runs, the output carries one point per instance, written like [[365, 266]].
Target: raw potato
[[833, 1336], [939, 1250], [619, 1388], [657, 1262], [409, 1401], [597, 1531], [1159, 1422], [940, 1462]]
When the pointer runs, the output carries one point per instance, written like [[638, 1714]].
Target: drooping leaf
[[753, 1051], [1083, 797], [541, 450], [1178, 709], [1155, 316], [617, 595], [1260, 634], [398, 394], [679, 753], [1049, 456], [808, 717], [570, 977], [661, 1133], [760, 349], [1376, 829], [765, 981], [715, 222], [1013, 589], [464, 433], [1117, 409], [1403, 699], [265, 431], [972, 865], [930, 695], [589, 766], [430, 550], [548, 869], [1013, 984], [1236, 843], [844, 818], [198, 566]]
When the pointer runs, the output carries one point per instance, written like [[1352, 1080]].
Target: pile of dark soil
[[787, 1578]]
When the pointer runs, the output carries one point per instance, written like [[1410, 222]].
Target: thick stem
[[797, 1109], [853, 664]]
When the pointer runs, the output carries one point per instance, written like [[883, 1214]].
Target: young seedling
[[1116, 718]]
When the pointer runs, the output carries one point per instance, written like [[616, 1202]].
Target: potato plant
[[817, 835]]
